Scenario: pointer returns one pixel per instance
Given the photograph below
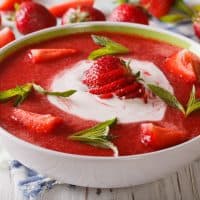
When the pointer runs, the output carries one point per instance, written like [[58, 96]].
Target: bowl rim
[[191, 46]]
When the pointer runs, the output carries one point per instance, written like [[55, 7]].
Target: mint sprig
[[167, 97], [109, 47], [97, 136], [192, 105], [19, 93], [41, 90]]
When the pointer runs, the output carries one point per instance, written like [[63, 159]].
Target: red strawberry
[[159, 137], [129, 13], [42, 55], [196, 24], [182, 65], [6, 36], [32, 17], [6, 5], [36, 123], [109, 76], [82, 14], [157, 8], [60, 9]]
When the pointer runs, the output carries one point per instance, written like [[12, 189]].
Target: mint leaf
[[180, 5], [41, 90], [173, 18], [167, 97], [109, 47], [19, 93], [193, 103], [97, 136]]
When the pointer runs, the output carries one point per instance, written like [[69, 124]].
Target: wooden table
[[182, 185]]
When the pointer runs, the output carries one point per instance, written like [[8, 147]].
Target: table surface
[[182, 185]]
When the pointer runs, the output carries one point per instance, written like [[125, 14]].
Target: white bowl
[[101, 172]]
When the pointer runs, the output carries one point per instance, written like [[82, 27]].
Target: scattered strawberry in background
[[82, 14], [6, 36], [59, 9], [129, 13], [7, 5], [42, 55], [110, 76], [157, 8], [158, 137], [196, 24], [32, 16], [36, 123]]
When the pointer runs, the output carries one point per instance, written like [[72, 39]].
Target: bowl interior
[[96, 27]]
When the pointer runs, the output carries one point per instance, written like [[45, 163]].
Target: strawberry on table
[[129, 13], [6, 5], [36, 123], [32, 17], [82, 14], [158, 137], [157, 8], [183, 64], [42, 55], [110, 76], [59, 9], [6, 36], [196, 25]]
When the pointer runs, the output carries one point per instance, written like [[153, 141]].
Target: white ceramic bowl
[[103, 172]]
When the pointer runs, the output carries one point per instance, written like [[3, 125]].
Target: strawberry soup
[[139, 95]]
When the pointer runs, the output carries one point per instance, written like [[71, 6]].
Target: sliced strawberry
[[109, 76], [104, 78], [159, 137], [115, 85], [60, 9], [6, 5], [6, 36], [182, 65], [42, 55], [157, 8], [36, 123]]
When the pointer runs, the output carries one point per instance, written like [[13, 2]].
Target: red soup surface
[[18, 69]]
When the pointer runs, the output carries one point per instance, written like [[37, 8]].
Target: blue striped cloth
[[32, 184]]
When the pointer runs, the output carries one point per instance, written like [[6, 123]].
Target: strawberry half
[[6, 36], [60, 9], [157, 8], [129, 13], [82, 14], [42, 55], [159, 137], [110, 76], [36, 123], [32, 17], [183, 65]]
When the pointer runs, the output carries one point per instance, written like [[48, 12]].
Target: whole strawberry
[[32, 16], [196, 25], [129, 13], [109, 76], [82, 14], [157, 8]]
